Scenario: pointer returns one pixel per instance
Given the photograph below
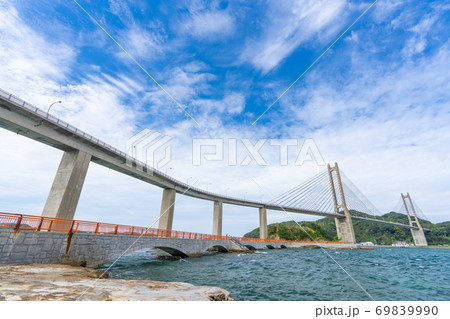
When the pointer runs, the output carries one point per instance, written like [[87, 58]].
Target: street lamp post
[[48, 113]]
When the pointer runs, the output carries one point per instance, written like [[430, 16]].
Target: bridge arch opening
[[270, 247], [250, 247], [173, 251], [218, 248], [283, 246]]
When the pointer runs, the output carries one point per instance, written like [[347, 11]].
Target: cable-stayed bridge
[[329, 193]]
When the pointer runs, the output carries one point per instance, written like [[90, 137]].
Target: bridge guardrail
[[42, 223]]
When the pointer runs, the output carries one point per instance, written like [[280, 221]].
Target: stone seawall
[[93, 250]]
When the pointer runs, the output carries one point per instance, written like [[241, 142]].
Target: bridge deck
[[380, 221]]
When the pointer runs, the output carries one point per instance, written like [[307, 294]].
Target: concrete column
[[66, 189], [344, 228], [167, 209], [419, 237], [344, 225], [217, 218], [262, 223]]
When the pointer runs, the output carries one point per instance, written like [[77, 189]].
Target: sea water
[[304, 274]]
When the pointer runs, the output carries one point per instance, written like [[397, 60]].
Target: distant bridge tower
[[417, 234], [344, 226]]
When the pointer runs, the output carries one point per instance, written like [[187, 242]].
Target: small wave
[[312, 270]]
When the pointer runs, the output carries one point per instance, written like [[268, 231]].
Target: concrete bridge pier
[[344, 225], [419, 237], [217, 218], [344, 228], [263, 223], [66, 189], [167, 209]]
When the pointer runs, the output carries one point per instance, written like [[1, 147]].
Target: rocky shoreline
[[65, 282]]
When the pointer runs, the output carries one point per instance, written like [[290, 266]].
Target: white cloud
[[209, 24], [232, 103], [143, 43], [26, 58], [183, 85], [121, 8], [207, 21], [384, 10], [190, 85], [290, 24], [418, 41]]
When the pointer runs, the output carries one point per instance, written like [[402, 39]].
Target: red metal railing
[[42, 223]]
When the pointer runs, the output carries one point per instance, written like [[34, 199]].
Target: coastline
[[29, 282]]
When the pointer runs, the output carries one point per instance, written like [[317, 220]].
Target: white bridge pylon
[[418, 234]]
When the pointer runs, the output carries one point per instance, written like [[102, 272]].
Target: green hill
[[325, 229]]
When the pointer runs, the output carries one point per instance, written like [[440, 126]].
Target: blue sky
[[377, 102]]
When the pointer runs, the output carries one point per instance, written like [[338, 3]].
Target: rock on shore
[[64, 282]]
